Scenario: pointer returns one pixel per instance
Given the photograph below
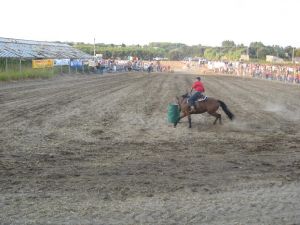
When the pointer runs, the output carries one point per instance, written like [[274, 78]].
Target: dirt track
[[98, 150]]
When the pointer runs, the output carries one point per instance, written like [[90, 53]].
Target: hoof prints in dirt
[[98, 150]]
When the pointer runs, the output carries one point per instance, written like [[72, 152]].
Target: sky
[[192, 22]]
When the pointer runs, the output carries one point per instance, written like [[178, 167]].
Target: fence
[[288, 74], [284, 73], [19, 68]]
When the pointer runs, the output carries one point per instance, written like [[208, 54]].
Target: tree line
[[178, 51]]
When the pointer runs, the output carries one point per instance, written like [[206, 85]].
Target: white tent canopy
[[17, 48]]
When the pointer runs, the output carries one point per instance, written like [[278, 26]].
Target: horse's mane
[[186, 95]]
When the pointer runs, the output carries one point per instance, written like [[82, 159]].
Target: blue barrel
[[173, 113]]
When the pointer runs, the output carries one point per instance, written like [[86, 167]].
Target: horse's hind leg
[[217, 115]]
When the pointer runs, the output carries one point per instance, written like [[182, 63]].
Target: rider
[[199, 89], [150, 68]]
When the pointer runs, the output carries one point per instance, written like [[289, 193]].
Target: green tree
[[228, 44], [211, 54], [253, 49], [262, 52], [176, 54], [297, 52]]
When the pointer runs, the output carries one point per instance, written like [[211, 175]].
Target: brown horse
[[210, 105]]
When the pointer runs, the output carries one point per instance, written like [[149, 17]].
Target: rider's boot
[[192, 109]]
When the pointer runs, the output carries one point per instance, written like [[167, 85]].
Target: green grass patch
[[26, 74]]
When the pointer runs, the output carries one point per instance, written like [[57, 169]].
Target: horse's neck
[[184, 100]]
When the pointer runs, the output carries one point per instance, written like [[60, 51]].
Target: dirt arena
[[90, 149]]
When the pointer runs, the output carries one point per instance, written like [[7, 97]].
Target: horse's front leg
[[184, 115], [190, 120]]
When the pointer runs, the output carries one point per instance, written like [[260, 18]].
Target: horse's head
[[181, 99]]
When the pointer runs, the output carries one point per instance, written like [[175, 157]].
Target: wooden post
[[6, 65], [20, 65], [70, 67]]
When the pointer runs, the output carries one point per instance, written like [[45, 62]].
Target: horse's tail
[[226, 110]]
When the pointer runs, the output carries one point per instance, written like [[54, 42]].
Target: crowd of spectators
[[284, 73], [112, 65]]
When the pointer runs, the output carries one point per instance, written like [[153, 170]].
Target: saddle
[[202, 98]]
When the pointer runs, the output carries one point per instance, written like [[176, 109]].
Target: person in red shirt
[[199, 89]]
